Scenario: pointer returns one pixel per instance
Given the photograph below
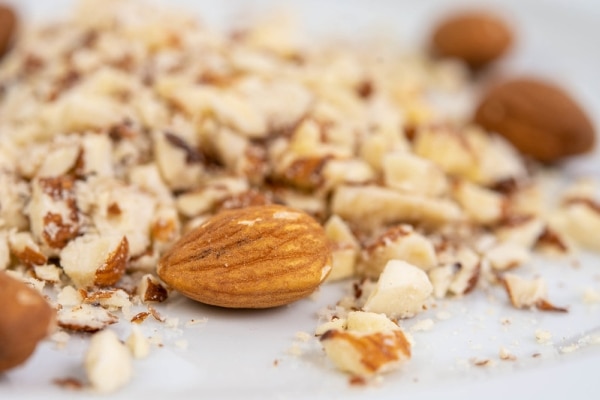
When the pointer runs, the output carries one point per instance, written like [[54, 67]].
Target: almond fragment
[[53, 211], [366, 353], [25, 319], [372, 206], [345, 248], [24, 248], [94, 260], [401, 291], [108, 362], [85, 318], [481, 205], [525, 293], [150, 289], [362, 321], [399, 242], [255, 257]]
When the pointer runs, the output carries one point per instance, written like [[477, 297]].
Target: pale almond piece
[[108, 362], [521, 231], [343, 263], [470, 153], [93, 260], [147, 177], [346, 171], [59, 159], [401, 292], [525, 293], [14, 193], [441, 278], [579, 220], [311, 203], [507, 255], [119, 209], [180, 164], [138, 344], [582, 188], [255, 257], [53, 211], [409, 173], [373, 206], [449, 149], [78, 111], [466, 271], [345, 248], [529, 200], [110, 299], [204, 198], [96, 155], [25, 249], [499, 160], [368, 322], [482, 206], [26, 319], [401, 243], [366, 353], [458, 273], [69, 296], [85, 318], [334, 324], [48, 273], [380, 142]]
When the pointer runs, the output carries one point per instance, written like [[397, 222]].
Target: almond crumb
[[506, 355], [543, 336]]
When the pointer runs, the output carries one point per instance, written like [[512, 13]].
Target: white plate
[[246, 354]]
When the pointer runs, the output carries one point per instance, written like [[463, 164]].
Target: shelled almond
[[242, 170]]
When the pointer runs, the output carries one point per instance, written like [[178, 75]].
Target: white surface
[[232, 354]]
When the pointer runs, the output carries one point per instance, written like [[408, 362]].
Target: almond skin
[[8, 26], [254, 257], [540, 119], [114, 267], [477, 38], [25, 319]]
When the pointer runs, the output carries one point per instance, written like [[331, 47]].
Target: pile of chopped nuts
[[124, 126]]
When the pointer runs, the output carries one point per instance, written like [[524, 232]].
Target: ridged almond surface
[[255, 257]]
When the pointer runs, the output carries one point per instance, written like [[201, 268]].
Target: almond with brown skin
[[25, 319], [8, 26], [254, 257], [477, 38], [540, 119]]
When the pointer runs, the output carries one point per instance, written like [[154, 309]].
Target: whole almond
[[254, 257], [8, 26], [477, 38], [25, 319], [540, 119]]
